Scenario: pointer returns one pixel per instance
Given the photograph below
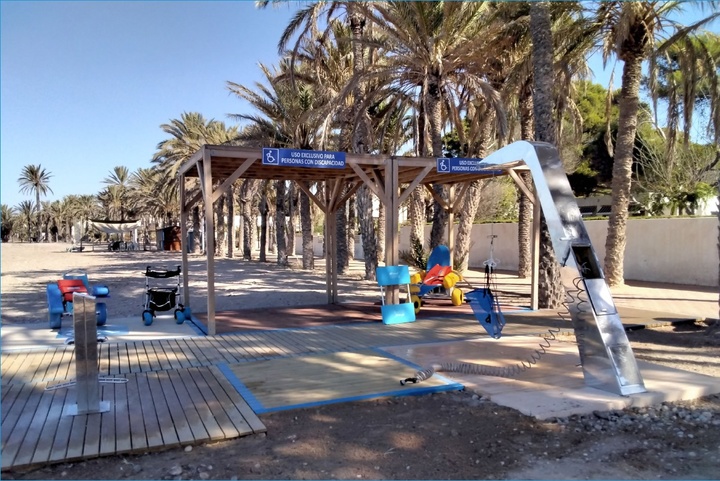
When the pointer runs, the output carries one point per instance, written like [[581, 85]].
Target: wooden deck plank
[[170, 353], [26, 372], [143, 358], [149, 417], [241, 348], [123, 359], [103, 358], [33, 363], [9, 362], [212, 356], [192, 352], [206, 415], [15, 439], [137, 427], [288, 340], [249, 345], [123, 440], [113, 359], [222, 349], [91, 445], [67, 361], [203, 379], [32, 433], [11, 414], [182, 353], [162, 413], [133, 361], [76, 441], [214, 380], [42, 366], [189, 409], [175, 408], [107, 419], [280, 345], [157, 348], [152, 357], [230, 396], [62, 433], [50, 428], [233, 348]]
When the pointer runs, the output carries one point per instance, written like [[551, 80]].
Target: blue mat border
[[414, 390]]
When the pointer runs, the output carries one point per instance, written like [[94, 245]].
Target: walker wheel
[[101, 313], [147, 317], [188, 313], [179, 316], [417, 302]]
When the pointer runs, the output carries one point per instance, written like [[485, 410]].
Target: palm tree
[[630, 31], [25, 219], [187, 135], [436, 52], [34, 179], [289, 115], [7, 218], [118, 190]]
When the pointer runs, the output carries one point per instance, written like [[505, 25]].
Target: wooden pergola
[[384, 175]]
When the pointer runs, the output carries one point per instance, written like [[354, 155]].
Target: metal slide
[[607, 359]]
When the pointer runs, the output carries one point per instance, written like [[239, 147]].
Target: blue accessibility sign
[[460, 166], [315, 159]]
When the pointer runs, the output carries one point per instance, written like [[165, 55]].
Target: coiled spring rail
[[574, 297]]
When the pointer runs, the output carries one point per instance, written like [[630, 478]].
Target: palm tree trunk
[[550, 291], [470, 207], [308, 255], [525, 206], [351, 230], [231, 221], [622, 170], [380, 231], [280, 231], [248, 196], [292, 208], [197, 233], [434, 107], [360, 145], [220, 236], [341, 236], [263, 227]]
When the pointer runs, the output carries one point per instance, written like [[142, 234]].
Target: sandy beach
[[27, 269]]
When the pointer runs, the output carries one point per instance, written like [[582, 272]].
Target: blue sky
[[85, 85]]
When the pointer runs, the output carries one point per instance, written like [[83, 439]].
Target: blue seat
[[395, 276]]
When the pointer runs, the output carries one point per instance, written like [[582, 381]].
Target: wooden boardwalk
[[175, 393]]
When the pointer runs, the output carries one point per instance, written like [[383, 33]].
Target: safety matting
[[307, 381]]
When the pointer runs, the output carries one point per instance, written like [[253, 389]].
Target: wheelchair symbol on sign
[[271, 156], [442, 165]]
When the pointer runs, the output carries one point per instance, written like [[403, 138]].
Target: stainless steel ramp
[[607, 359]]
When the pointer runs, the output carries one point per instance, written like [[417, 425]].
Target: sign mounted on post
[[314, 159], [460, 166]]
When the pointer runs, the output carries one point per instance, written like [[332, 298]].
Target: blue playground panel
[[487, 311], [395, 276]]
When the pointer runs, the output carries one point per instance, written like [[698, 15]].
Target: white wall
[[676, 250]]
